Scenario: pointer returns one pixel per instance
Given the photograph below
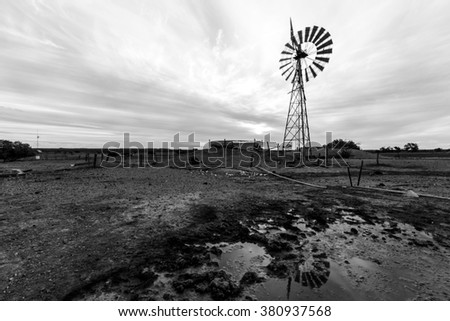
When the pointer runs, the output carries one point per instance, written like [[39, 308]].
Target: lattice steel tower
[[302, 59]]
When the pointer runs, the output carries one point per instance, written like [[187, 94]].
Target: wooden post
[[349, 176], [360, 171], [95, 160], [378, 156]]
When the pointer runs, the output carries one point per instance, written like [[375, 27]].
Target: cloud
[[86, 71]]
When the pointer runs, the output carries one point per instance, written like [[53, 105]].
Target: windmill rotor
[[307, 54]]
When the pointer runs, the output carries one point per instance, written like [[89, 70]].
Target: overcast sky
[[84, 72]]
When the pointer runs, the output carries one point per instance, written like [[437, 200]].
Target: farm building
[[236, 143]]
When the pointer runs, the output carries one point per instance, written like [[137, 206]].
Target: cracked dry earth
[[167, 234]]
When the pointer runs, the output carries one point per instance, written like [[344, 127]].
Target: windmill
[[302, 59]]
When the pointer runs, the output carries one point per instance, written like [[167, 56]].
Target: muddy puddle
[[335, 287], [334, 255], [239, 258], [324, 263]]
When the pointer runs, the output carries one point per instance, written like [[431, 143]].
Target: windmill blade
[[287, 70], [294, 41], [290, 74], [325, 51], [281, 67], [284, 52], [300, 37], [324, 37], [284, 59], [321, 31], [306, 75], [312, 71], [294, 78], [325, 44], [313, 32], [318, 66], [322, 59], [307, 33], [289, 46]]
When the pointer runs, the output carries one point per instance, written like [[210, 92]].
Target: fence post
[[349, 176], [360, 171], [95, 161]]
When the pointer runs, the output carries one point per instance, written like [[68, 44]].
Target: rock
[[278, 246], [422, 243], [290, 256], [213, 264], [216, 251], [288, 237], [217, 283], [278, 269], [251, 277], [302, 235], [410, 193], [168, 297], [222, 287], [353, 231]]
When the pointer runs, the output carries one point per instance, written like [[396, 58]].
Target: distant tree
[[345, 153], [340, 143], [438, 149], [386, 149], [397, 149], [10, 151], [411, 147]]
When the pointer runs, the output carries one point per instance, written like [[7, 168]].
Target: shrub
[[345, 153], [11, 151], [411, 147], [340, 143]]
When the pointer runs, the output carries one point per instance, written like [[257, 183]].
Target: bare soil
[[74, 233]]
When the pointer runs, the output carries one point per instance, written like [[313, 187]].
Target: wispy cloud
[[83, 72]]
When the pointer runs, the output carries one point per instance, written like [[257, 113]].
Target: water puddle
[[337, 287], [239, 258]]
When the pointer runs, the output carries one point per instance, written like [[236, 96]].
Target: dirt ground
[[74, 233]]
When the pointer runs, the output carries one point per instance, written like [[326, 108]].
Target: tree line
[[11, 151]]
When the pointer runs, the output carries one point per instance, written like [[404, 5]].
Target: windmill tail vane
[[302, 59]]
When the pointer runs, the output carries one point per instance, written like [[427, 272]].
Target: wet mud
[[245, 239]]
